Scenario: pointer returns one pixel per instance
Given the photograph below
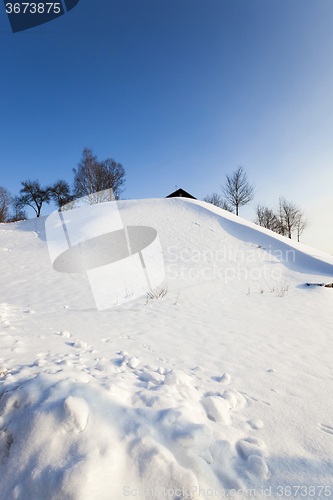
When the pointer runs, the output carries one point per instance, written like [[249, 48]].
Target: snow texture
[[223, 385]]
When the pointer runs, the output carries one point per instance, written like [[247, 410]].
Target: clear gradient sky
[[180, 92]]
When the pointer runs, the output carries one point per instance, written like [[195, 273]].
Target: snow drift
[[220, 388]]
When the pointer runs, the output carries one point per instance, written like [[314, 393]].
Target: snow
[[217, 409], [77, 412], [223, 384]]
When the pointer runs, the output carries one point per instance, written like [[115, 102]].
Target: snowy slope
[[224, 384]]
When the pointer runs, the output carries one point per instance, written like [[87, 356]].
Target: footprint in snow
[[198, 369], [79, 344], [250, 446], [147, 346], [225, 379], [258, 467], [256, 400], [256, 423], [63, 333], [326, 428]]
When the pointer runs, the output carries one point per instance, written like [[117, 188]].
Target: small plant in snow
[[129, 292], [280, 289], [157, 293], [3, 371]]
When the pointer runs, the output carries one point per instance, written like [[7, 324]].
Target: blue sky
[[180, 92]]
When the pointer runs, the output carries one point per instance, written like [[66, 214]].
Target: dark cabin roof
[[180, 193]]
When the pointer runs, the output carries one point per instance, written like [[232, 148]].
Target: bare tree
[[217, 200], [17, 212], [61, 193], [33, 195], [288, 217], [93, 177], [5, 202], [265, 217], [237, 190], [302, 223], [114, 175], [86, 176]]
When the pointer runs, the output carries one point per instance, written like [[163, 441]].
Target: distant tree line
[[93, 176], [90, 177], [287, 220]]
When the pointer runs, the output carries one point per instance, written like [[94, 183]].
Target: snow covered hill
[[222, 388]]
